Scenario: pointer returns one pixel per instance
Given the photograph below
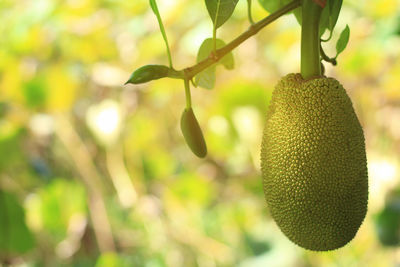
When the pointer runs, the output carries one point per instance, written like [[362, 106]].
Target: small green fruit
[[192, 133]]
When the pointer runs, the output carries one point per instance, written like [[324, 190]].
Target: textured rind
[[313, 163]]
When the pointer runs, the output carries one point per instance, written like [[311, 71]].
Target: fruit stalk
[[188, 94], [310, 43]]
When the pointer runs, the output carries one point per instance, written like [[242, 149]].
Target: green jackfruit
[[313, 163], [192, 133]]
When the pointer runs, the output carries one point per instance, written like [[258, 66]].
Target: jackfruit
[[192, 133], [313, 163]]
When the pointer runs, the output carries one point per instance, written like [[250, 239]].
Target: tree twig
[[326, 58], [190, 72]]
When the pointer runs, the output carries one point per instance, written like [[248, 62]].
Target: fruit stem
[[188, 95], [310, 41]]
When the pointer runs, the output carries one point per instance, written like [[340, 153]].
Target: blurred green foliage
[[94, 173], [15, 236]]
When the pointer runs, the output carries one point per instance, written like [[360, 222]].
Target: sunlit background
[[94, 173]]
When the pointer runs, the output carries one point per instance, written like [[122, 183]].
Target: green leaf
[[329, 16], [148, 73], [324, 20], [11, 148], [343, 40], [334, 7], [220, 10], [273, 5], [207, 47], [298, 14], [58, 202], [154, 7], [387, 223], [35, 92], [15, 236], [206, 78]]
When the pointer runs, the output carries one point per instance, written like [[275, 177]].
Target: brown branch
[[190, 72]]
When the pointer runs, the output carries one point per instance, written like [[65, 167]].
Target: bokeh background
[[94, 173]]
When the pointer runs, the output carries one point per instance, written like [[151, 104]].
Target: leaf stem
[[214, 39], [249, 12], [154, 7], [188, 94], [215, 28], [310, 41], [326, 58], [190, 72]]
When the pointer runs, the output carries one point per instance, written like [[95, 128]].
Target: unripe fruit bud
[[192, 133]]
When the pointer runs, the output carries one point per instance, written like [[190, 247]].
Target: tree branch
[[190, 72]]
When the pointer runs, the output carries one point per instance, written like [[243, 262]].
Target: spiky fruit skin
[[313, 163]]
